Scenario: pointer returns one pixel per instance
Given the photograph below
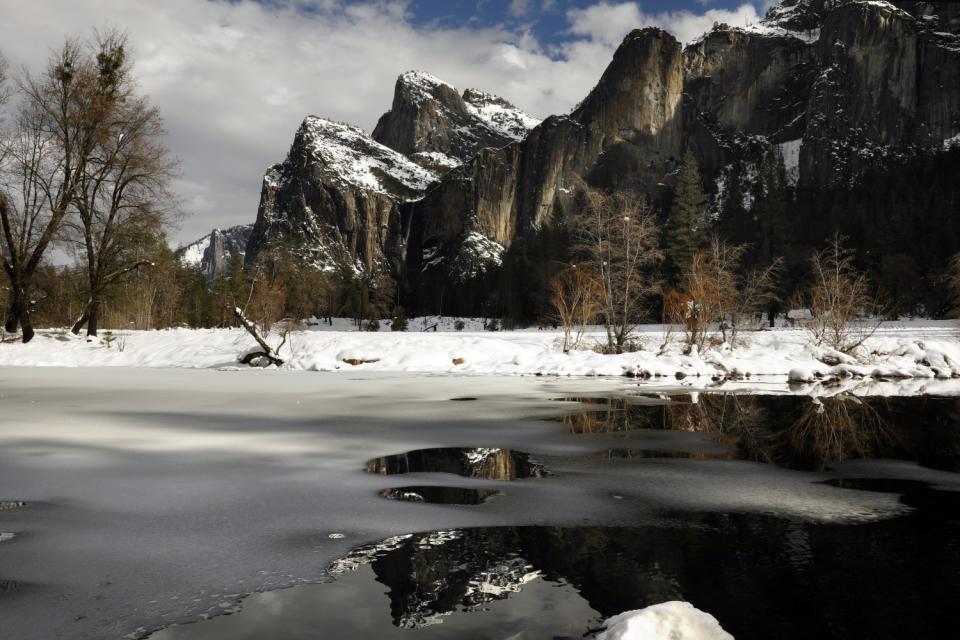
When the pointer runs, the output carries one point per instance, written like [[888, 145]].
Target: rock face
[[436, 125], [887, 86], [632, 118], [336, 197], [449, 181], [212, 254]]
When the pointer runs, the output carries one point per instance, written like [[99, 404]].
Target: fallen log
[[266, 352]]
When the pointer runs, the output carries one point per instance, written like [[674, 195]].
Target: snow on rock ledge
[[673, 620], [349, 155]]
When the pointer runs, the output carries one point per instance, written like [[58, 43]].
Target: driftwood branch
[[266, 352]]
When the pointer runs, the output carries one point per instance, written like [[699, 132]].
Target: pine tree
[[770, 211], [736, 222], [687, 225]]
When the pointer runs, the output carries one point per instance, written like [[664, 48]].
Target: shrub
[[399, 320]]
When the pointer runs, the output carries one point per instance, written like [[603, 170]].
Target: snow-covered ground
[[927, 350]]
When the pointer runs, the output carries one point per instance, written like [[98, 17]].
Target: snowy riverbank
[[899, 350]]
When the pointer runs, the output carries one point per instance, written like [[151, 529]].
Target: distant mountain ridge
[[212, 253]]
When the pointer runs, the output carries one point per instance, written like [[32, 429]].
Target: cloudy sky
[[234, 78]]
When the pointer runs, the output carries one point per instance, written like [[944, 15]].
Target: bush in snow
[[839, 299], [399, 322], [574, 294], [459, 325], [718, 296]]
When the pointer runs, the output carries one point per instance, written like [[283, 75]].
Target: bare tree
[[122, 197], [59, 125], [719, 296], [618, 237], [574, 294], [839, 299]]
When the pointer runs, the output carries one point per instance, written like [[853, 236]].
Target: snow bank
[[665, 621], [930, 352]]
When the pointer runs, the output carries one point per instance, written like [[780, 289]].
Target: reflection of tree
[[486, 463], [793, 431], [739, 420], [615, 417], [832, 429]]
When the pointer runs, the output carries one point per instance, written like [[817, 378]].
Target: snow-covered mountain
[[212, 253], [448, 181], [430, 116], [337, 196]]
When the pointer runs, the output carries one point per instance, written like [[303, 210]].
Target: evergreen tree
[[770, 211], [687, 224], [736, 221]]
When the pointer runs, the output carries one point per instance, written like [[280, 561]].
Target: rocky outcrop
[[213, 253], [335, 199], [434, 124]]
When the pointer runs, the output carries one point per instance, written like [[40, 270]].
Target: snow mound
[[347, 154], [673, 620]]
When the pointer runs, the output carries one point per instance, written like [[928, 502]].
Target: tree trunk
[[26, 326], [19, 314], [13, 313], [94, 318], [82, 320]]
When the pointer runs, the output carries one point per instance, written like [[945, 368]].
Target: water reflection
[[486, 463], [760, 576], [639, 454], [890, 576], [440, 495], [793, 431]]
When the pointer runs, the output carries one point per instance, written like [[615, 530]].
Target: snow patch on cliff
[[790, 150], [346, 153], [499, 115]]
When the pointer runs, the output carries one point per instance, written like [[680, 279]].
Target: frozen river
[[139, 498]]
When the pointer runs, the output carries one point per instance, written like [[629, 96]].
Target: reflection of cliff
[[887, 579], [486, 463], [794, 431]]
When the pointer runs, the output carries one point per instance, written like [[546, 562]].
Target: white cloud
[[234, 79], [608, 22]]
